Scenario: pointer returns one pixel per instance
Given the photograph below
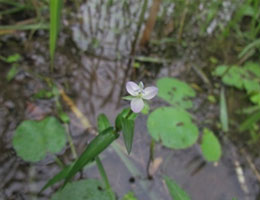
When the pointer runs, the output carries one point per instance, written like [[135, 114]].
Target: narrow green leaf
[[43, 94], [12, 72], [103, 174], [210, 146], [128, 132], [55, 14], [125, 113], [13, 58], [103, 123], [64, 117], [247, 124], [96, 146], [58, 177], [128, 98], [25, 27], [176, 192], [223, 111]]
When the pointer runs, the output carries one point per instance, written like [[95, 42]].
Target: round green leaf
[[175, 92], [210, 146], [54, 134], [173, 126], [82, 190], [28, 142], [33, 139]]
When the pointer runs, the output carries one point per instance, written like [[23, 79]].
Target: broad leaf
[[175, 92], [33, 139], [90, 189], [210, 146], [173, 126], [176, 192]]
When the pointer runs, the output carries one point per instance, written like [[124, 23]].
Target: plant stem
[[59, 162], [183, 17], [133, 46], [105, 178], [72, 146], [151, 158]]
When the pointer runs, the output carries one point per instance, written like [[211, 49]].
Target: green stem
[[72, 146], [105, 178], [151, 158], [59, 162]]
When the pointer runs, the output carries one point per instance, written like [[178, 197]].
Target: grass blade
[[105, 178], [58, 177], [55, 14], [96, 146]]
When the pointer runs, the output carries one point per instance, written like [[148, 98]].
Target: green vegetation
[[203, 56]]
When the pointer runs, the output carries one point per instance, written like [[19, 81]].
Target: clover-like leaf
[[34, 139], [175, 92], [173, 126], [90, 189]]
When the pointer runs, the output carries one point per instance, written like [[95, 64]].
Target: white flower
[[139, 93]]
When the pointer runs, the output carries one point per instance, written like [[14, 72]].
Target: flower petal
[[132, 88], [150, 92], [137, 105]]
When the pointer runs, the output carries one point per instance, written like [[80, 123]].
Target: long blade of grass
[[25, 27], [223, 111], [96, 146], [58, 177], [55, 14]]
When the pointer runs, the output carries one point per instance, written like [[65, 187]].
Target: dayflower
[[138, 93]]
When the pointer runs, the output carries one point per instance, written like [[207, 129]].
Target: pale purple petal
[[150, 92], [132, 88], [137, 105]]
